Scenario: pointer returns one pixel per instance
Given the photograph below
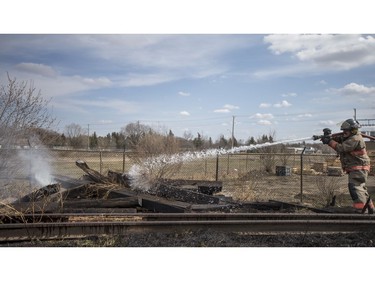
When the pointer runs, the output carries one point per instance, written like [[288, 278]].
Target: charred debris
[[113, 193]]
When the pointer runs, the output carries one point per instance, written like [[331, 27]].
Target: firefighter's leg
[[358, 190]]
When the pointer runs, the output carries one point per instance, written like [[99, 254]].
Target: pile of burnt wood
[[97, 193]]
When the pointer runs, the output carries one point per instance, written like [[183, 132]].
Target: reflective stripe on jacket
[[352, 151]]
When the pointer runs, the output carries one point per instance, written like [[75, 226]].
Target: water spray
[[139, 174]]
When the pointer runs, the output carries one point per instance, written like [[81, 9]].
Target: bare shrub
[[245, 186], [327, 189], [156, 158]]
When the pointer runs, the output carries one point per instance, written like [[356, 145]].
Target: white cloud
[[150, 59], [265, 105], [230, 106], [264, 122], [305, 115], [356, 89], [222, 110], [226, 108], [284, 103], [137, 80], [44, 78], [35, 68], [105, 121], [335, 52], [327, 123], [115, 105], [184, 113], [262, 116], [289, 95], [184, 94]]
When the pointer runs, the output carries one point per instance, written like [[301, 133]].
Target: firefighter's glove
[[326, 139]]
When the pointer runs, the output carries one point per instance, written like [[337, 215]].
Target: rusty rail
[[142, 223]]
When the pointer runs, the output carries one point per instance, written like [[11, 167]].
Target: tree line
[[26, 122], [131, 135]]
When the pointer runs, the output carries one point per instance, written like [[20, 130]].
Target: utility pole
[[233, 117]]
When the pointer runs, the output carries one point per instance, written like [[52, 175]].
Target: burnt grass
[[209, 238], [279, 188]]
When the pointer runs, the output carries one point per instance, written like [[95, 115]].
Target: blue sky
[[290, 85]]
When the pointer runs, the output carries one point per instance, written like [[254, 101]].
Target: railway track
[[62, 226]]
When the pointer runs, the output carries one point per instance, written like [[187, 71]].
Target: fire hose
[[327, 132]]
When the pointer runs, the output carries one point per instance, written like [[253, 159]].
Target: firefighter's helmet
[[350, 124]]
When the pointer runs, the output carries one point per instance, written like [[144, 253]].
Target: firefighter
[[354, 160]]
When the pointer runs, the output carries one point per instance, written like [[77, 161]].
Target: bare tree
[[22, 110], [23, 115], [134, 132], [75, 134]]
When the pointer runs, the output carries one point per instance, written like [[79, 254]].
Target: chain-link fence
[[277, 175]]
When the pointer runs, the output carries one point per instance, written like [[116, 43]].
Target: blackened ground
[[207, 238]]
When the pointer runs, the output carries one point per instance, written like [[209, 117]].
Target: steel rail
[[63, 230], [53, 217]]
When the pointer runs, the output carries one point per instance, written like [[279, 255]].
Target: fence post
[[100, 162], [303, 151], [123, 161], [217, 167], [247, 158], [228, 165]]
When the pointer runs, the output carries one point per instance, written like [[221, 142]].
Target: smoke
[[36, 163], [141, 174]]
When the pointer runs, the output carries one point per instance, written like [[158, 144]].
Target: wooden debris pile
[[97, 193]]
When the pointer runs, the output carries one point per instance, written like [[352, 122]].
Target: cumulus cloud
[[184, 113], [336, 52], [355, 89], [230, 106], [262, 116], [226, 108], [284, 103]]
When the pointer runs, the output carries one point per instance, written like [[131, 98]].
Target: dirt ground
[[317, 190], [209, 238], [250, 187]]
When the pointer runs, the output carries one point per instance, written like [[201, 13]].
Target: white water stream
[[140, 175]]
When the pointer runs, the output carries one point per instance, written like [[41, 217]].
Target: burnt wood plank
[[101, 210], [102, 203], [202, 186], [93, 175], [185, 195]]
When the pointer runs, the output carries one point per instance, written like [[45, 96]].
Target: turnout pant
[[357, 188]]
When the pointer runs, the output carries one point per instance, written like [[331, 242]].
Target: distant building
[[298, 150]]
